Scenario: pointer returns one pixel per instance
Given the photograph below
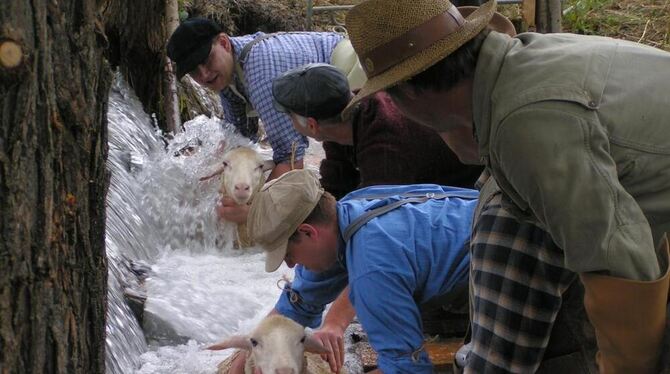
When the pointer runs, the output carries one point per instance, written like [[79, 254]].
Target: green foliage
[[579, 15]]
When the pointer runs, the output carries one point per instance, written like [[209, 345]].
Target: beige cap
[[278, 209]]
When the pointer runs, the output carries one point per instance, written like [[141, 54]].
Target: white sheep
[[243, 174], [278, 345]]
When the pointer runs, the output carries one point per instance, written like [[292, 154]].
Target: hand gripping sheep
[[278, 346], [243, 174]]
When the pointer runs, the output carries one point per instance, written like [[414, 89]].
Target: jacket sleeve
[[260, 74], [553, 161], [305, 299], [339, 175]]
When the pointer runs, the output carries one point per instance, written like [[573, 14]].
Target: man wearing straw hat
[[575, 132]]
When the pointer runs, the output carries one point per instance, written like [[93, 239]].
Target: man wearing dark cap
[[575, 132], [364, 240], [242, 69], [376, 145]]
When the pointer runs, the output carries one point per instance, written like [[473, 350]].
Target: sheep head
[[243, 170], [277, 345]]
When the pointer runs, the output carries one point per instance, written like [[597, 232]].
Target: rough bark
[[170, 95], [137, 35], [53, 147], [548, 16]]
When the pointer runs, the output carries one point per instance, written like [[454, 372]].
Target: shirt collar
[[489, 64]]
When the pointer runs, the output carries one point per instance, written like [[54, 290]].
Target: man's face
[[216, 72], [317, 253], [302, 126], [451, 119]]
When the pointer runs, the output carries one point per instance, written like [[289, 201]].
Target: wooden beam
[[528, 14]]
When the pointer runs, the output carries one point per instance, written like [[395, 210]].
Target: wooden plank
[[441, 353], [528, 13]]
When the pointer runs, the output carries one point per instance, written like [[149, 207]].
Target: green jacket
[[576, 131]]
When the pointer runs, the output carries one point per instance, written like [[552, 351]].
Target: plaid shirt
[[265, 61], [517, 280]]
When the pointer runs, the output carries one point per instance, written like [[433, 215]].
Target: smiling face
[[216, 72]]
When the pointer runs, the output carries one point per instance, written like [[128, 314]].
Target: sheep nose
[[242, 187], [284, 371]]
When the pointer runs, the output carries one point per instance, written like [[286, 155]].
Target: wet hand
[[228, 210]]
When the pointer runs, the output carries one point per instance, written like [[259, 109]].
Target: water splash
[[198, 289]]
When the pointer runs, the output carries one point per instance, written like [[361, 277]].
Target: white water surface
[[199, 289]]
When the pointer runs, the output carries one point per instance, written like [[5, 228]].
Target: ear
[[308, 230], [218, 171], [313, 345], [224, 40], [268, 165], [235, 341], [312, 125]]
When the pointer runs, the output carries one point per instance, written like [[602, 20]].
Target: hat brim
[[275, 256], [278, 107], [474, 24], [197, 57]]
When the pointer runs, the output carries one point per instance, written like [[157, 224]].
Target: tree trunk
[[548, 15], [170, 95], [53, 147], [137, 34]]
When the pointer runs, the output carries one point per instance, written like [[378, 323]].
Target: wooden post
[[528, 11], [170, 97], [548, 16], [309, 13]]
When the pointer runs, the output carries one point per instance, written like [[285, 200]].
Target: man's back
[[403, 258], [265, 61], [390, 149]]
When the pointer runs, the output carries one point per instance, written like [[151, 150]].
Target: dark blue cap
[[191, 43], [319, 91]]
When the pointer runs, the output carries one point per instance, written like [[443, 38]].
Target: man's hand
[[228, 210], [237, 366], [331, 336], [284, 167]]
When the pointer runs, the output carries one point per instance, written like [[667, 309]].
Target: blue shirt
[[394, 263], [265, 61]]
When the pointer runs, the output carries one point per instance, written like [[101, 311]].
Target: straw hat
[[397, 39]]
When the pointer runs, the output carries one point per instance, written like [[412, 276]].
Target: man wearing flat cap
[[364, 239], [574, 131], [376, 145]]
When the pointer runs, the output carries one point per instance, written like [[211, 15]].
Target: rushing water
[[161, 219]]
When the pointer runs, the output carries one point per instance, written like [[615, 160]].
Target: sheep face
[[277, 345], [279, 350], [242, 173]]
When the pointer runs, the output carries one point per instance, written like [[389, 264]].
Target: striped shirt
[[264, 62]]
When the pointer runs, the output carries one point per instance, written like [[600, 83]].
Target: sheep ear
[[214, 174], [268, 165], [235, 341], [313, 345]]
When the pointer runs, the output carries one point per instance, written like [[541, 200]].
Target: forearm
[[341, 312], [284, 167]]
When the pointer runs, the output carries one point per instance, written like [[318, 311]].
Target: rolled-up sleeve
[[305, 299], [553, 160]]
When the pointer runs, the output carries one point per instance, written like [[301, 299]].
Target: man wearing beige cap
[[574, 131], [366, 239]]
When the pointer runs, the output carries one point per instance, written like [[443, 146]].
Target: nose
[[242, 187], [199, 74]]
